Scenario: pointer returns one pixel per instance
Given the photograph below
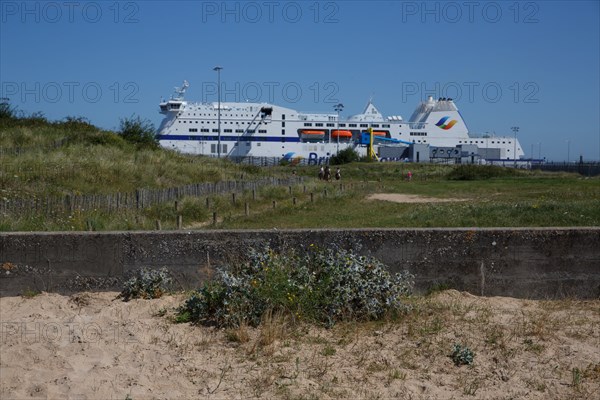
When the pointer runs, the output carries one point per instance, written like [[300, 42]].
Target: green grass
[[42, 159], [528, 201]]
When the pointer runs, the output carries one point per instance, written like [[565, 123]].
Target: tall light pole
[[515, 129], [531, 156], [338, 107], [540, 150], [218, 69], [568, 151]]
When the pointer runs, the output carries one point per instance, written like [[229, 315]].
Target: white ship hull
[[268, 130]]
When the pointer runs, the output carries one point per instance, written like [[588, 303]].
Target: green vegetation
[[146, 284], [314, 285], [462, 355], [138, 131], [43, 160], [345, 156]]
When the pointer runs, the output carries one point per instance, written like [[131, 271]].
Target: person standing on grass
[[409, 176], [338, 175], [327, 173], [321, 174]]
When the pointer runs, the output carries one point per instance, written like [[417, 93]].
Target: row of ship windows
[[222, 115], [349, 125], [226, 115], [230, 130], [305, 124], [223, 122], [482, 142]]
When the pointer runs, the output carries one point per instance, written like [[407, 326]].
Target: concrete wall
[[527, 263]]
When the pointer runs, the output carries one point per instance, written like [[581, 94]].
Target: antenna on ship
[[180, 91]]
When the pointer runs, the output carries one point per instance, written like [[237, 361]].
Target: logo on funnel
[[445, 126]]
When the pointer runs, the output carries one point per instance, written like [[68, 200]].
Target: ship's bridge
[[171, 106], [176, 102]]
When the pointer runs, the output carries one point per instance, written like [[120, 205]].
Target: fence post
[[179, 222], [312, 199], [214, 218], [158, 225]]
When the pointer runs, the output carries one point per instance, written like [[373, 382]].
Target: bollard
[[179, 222], [312, 198], [215, 218], [158, 226]]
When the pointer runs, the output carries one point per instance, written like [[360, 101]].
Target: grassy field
[[527, 201], [41, 159]]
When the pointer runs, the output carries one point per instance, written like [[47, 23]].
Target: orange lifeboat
[[312, 135], [341, 134], [311, 132], [379, 133]]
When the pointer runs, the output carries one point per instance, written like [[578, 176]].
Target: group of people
[[325, 174]]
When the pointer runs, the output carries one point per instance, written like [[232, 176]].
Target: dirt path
[[409, 198]]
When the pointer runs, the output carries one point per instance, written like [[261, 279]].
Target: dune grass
[[41, 159]]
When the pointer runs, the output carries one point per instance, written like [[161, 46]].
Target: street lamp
[[218, 69], [338, 107], [515, 129]]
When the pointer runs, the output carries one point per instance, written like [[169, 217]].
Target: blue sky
[[532, 64]]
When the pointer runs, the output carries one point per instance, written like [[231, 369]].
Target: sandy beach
[[92, 346]]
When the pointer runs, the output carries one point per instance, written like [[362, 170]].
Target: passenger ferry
[[436, 129]]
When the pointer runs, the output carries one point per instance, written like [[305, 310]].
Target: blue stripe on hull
[[280, 139]]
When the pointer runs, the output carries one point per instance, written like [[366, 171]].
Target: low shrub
[[146, 284], [470, 172], [138, 131], [322, 286], [462, 355], [345, 156]]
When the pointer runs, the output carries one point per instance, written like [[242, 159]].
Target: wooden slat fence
[[139, 199]]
